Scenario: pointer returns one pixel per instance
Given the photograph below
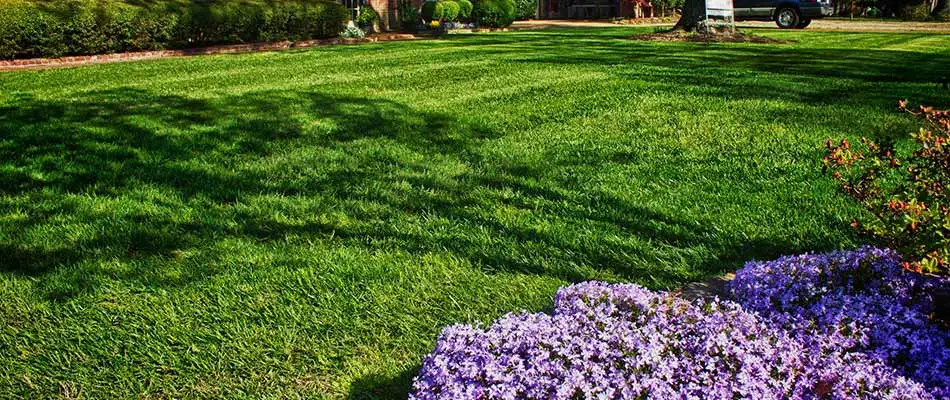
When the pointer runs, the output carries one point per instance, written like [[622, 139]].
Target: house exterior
[[547, 9], [387, 9], [593, 9]]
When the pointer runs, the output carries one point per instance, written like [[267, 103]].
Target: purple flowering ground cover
[[853, 301], [841, 325]]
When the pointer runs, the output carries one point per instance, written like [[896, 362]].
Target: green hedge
[[31, 28], [494, 13]]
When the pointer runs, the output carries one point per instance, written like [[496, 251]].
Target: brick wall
[[628, 8]]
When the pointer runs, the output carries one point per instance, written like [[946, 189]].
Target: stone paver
[[707, 289]]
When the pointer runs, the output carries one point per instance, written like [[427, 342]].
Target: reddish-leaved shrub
[[907, 194]]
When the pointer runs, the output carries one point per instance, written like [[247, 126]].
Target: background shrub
[[408, 16], [905, 192], [368, 16], [525, 9], [450, 10], [917, 12], [33, 28], [465, 9], [353, 32], [432, 10], [494, 13]]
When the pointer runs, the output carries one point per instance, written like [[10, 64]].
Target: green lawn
[[304, 223]]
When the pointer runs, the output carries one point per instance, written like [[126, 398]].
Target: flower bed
[[623, 341], [853, 301]]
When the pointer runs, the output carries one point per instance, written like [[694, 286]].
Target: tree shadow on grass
[[714, 65], [103, 163], [112, 144], [114, 177], [98, 179]]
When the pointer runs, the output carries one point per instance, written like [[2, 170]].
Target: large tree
[[694, 11]]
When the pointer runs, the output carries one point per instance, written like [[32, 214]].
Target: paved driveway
[[861, 26], [823, 24]]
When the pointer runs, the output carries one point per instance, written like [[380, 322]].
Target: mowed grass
[[304, 223]]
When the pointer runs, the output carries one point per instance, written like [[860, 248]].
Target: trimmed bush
[[303, 20], [128, 28], [432, 11], [450, 10], [28, 31], [79, 27], [494, 13], [465, 9], [219, 23]]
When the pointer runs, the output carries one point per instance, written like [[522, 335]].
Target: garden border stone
[[716, 286]]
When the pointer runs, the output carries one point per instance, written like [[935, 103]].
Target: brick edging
[[39, 63]]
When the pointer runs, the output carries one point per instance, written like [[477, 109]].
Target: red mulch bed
[[681, 36]]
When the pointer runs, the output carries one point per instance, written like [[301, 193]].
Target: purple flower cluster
[[850, 302], [621, 341]]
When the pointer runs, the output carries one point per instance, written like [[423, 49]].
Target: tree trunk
[[694, 11]]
